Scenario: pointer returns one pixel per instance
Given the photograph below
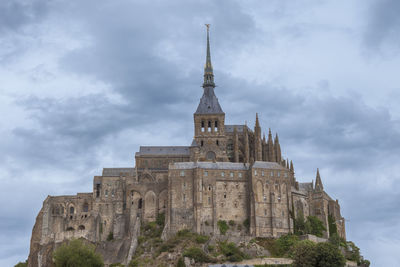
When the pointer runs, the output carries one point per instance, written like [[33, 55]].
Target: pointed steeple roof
[[209, 102], [318, 182], [257, 122]]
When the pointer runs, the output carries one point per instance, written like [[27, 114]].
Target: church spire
[[318, 182], [208, 69]]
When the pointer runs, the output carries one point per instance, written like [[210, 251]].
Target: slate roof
[[163, 150], [239, 128], [306, 186], [268, 165], [209, 103], [116, 172], [210, 165]]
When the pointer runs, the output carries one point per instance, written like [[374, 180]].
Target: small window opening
[[222, 174], [224, 195], [201, 143], [97, 190], [202, 127], [140, 204], [216, 126], [209, 126], [231, 174], [182, 174], [217, 142], [71, 210]]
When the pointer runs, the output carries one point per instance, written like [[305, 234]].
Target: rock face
[[228, 174]]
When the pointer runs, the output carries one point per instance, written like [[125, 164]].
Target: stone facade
[[228, 173]]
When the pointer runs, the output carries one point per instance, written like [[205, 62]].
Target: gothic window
[[209, 126], [279, 174], [209, 187], [272, 173], [216, 126], [262, 173], [85, 207], [182, 173], [205, 173], [255, 172], [231, 174], [112, 193], [202, 127], [240, 175], [71, 210], [222, 174]]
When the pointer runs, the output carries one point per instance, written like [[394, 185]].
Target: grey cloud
[[384, 24], [16, 13]]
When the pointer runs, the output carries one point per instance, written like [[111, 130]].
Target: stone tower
[[209, 119]]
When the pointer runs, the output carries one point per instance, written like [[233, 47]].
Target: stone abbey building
[[229, 172]]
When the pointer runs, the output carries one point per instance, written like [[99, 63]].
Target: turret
[[270, 148]]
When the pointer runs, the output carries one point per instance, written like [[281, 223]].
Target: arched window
[[140, 203], [209, 127], [210, 155], [216, 126], [202, 127], [71, 210]]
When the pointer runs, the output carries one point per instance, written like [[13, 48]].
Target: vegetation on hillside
[[77, 253]]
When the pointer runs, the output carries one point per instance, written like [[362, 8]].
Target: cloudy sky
[[83, 83]]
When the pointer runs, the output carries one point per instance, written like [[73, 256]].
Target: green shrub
[[197, 254], [315, 226], [206, 223], [180, 263], [117, 265], [304, 254], [160, 220], [231, 252], [338, 241], [22, 264], [231, 222], [223, 227], [184, 233], [329, 256], [76, 253], [110, 236], [353, 252], [211, 248], [332, 225], [285, 243], [134, 263], [201, 239]]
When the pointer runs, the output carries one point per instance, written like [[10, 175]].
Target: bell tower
[[209, 119]]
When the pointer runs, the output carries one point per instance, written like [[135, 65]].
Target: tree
[[76, 253], [22, 264], [284, 243], [329, 255], [315, 226], [304, 254]]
